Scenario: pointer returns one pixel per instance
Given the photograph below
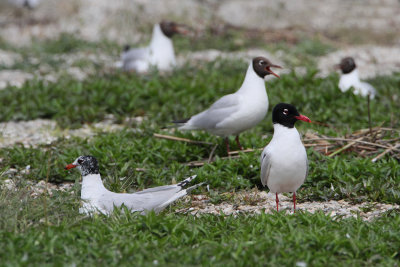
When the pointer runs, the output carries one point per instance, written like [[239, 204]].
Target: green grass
[[45, 52], [162, 99], [48, 230], [72, 103], [184, 240], [353, 178]]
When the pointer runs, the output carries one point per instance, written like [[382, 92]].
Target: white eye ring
[[261, 62], [285, 111]]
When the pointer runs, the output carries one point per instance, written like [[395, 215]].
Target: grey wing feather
[[265, 167], [308, 167], [132, 55], [218, 112], [225, 102], [135, 54], [157, 189], [152, 198], [173, 187], [137, 201]]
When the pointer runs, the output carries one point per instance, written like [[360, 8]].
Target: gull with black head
[[97, 198], [350, 79], [284, 164], [159, 53], [237, 112]]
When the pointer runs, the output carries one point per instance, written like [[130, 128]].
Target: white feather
[[352, 80], [284, 164], [234, 113], [160, 53]]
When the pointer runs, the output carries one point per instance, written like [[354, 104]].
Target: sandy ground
[[256, 202], [39, 132], [123, 20]]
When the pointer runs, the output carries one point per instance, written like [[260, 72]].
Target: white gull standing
[[237, 112], [350, 79], [284, 164], [97, 198], [160, 52]]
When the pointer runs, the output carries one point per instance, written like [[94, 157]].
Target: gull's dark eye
[[262, 62], [285, 111], [80, 161]]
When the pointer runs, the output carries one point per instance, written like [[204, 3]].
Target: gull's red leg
[[227, 145], [277, 202], [237, 141], [294, 202]]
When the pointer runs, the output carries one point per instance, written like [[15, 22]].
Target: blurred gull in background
[[31, 4], [160, 52], [350, 79]]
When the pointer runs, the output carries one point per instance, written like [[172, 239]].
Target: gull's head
[[170, 28], [86, 164], [127, 48], [31, 4], [262, 67], [287, 115], [346, 65]]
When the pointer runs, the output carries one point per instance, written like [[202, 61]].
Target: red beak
[[270, 71], [182, 29], [70, 166], [303, 118]]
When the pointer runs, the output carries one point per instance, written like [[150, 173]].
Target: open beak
[[303, 118], [182, 29], [268, 68], [70, 166], [337, 66]]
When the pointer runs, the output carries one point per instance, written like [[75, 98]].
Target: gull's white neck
[[348, 80], [285, 135], [252, 82], [92, 186], [162, 52]]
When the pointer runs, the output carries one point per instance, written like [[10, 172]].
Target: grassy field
[[48, 230]]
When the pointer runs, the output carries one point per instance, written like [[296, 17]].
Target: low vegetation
[[49, 230]]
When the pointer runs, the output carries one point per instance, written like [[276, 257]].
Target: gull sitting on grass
[[159, 53], [350, 79], [97, 198]]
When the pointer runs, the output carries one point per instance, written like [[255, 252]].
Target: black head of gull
[[287, 115], [262, 67], [86, 164], [170, 28], [347, 65], [127, 48]]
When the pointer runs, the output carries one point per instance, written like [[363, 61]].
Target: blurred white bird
[[350, 79], [237, 112], [98, 199], [284, 164], [160, 52], [25, 3]]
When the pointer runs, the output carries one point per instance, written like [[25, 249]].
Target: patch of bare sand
[[256, 202]]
